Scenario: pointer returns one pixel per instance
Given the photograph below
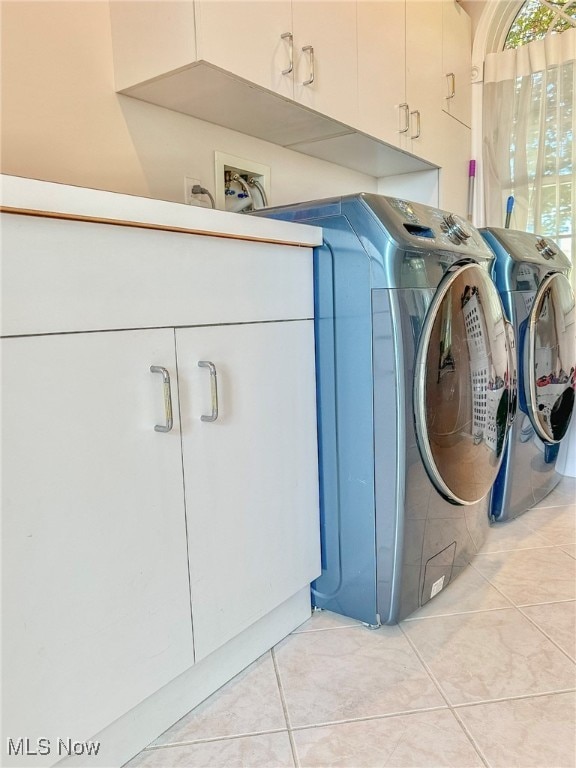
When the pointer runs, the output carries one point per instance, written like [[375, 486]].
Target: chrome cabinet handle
[[452, 92], [310, 50], [167, 399], [406, 109], [290, 37], [213, 389], [417, 134]]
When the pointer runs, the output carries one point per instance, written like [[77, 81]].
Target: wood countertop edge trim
[[148, 225]]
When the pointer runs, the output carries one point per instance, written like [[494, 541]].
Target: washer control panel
[[444, 228], [530, 248]]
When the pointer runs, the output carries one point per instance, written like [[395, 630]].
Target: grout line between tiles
[[498, 589], [524, 605], [426, 667], [519, 697], [521, 612], [454, 707], [457, 613], [547, 602], [295, 758], [514, 549], [543, 631], [480, 610], [471, 739], [568, 503], [538, 531], [210, 739], [368, 718], [519, 549], [444, 695], [328, 629]]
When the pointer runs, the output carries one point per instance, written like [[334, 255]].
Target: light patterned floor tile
[[512, 534], [526, 733], [326, 620], [529, 576], [249, 703], [263, 751], [564, 493], [469, 592], [558, 620], [555, 524], [490, 655], [351, 673], [412, 741]]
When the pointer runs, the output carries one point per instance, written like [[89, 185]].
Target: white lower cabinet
[[251, 474], [95, 597], [119, 537], [156, 513]]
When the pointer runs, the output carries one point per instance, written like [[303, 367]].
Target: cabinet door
[[245, 37], [95, 594], [150, 38], [251, 475], [381, 68], [329, 28], [424, 77], [454, 161], [457, 61]]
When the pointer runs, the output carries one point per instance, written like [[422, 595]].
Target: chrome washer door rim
[[498, 348], [531, 374]]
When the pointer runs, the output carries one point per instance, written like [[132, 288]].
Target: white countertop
[[34, 197]]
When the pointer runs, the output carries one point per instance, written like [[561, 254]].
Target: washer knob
[[455, 231], [545, 249]]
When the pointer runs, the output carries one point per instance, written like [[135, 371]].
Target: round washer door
[[461, 386], [551, 359]]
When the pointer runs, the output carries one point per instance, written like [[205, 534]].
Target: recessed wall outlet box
[[250, 189]]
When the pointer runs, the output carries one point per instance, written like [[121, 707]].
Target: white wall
[[420, 186], [62, 120], [474, 9]]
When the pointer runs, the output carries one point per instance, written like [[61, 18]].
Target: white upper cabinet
[[302, 50], [331, 78], [297, 53], [423, 136], [457, 61], [151, 38], [251, 38], [454, 163], [325, 57], [400, 73], [381, 67]]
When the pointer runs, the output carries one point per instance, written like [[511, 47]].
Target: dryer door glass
[[551, 359], [461, 388]]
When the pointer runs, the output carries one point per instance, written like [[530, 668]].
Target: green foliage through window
[[535, 19]]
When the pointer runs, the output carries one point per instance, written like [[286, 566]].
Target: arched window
[[537, 18], [528, 122]]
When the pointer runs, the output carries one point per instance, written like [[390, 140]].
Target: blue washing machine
[[413, 399], [531, 274]]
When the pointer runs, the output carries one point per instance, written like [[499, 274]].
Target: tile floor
[[483, 675]]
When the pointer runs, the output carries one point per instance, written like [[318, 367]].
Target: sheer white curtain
[[528, 137]]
